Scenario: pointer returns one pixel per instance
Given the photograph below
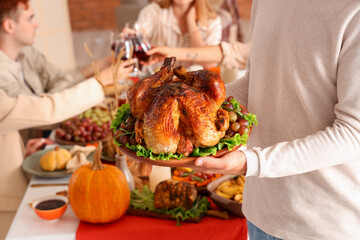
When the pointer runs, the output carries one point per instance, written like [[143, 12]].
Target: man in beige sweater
[[23, 68], [303, 160], [25, 109]]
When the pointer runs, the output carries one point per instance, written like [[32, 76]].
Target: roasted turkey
[[177, 110]]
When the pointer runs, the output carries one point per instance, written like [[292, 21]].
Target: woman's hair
[[204, 11], [8, 8]]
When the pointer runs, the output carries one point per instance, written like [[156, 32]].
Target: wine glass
[[141, 45], [120, 41]]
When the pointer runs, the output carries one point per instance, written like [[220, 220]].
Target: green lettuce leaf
[[121, 115], [141, 151], [228, 143], [250, 117], [142, 199]]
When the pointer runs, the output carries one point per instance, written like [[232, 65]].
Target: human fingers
[[106, 76], [191, 14], [231, 163], [48, 141], [125, 71], [165, 51], [128, 62], [128, 30], [35, 142], [34, 145], [153, 51], [152, 60]]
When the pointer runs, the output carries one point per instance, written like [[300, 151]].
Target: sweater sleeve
[[52, 78], [25, 111], [335, 145]]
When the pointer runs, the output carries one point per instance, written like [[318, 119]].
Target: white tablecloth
[[27, 225]]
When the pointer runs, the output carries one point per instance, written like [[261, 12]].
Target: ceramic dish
[[31, 164], [60, 141], [226, 204], [172, 162], [50, 207]]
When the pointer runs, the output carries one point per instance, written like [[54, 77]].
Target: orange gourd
[[98, 193]]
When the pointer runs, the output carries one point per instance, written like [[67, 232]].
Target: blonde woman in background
[[180, 23]]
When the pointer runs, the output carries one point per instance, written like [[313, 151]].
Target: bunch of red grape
[[237, 123], [90, 126], [126, 132]]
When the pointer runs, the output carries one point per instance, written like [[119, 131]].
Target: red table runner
[[134, 227]]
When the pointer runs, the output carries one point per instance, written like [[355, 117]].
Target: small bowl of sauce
[[50, 207]]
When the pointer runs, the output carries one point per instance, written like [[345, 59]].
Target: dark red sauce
[[50, 204]]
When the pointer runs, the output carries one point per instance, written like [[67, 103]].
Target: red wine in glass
[[125, 43], [141, 46], [140, 54]]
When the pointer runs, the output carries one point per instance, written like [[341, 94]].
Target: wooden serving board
[[144, 213]]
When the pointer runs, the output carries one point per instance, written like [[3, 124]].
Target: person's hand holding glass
[[123, 48], [121, 44], [141, 45]]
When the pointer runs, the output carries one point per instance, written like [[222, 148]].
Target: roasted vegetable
[[171, 194], [232, 189], [55, 159], [199, 179]]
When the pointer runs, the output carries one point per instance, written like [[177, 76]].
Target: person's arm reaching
[[35, 144], [47, 108], [201, 54], [26, 111], [101, 64], [231, 55]]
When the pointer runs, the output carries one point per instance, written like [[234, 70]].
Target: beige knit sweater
[[303, 83]]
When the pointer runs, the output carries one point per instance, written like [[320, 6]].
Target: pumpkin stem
[[97, 160]]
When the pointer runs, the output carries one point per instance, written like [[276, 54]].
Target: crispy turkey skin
[[176, 114]]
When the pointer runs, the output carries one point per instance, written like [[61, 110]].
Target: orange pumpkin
[[98, 193]]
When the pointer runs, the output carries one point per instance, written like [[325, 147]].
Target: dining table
[[28, 226]]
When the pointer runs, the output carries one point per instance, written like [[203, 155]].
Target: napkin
[[79, 157]]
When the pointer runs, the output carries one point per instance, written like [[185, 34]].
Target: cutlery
[[48, 184]]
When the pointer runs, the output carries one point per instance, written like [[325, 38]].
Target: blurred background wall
[[54, 36]]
